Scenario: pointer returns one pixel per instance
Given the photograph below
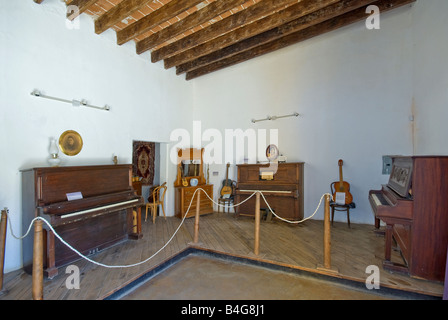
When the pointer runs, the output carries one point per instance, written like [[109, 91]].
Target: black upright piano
[[90, 207], [414, 207]]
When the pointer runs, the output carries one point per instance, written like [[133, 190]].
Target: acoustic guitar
[[183, 179], [226, 184], [342, 187]]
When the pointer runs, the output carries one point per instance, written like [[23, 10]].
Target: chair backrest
[[159, 193], [162, 191], [333, 189]]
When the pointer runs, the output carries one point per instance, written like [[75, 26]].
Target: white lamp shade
[[53, 147]]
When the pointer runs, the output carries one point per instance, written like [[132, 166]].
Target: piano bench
[[341, 207]]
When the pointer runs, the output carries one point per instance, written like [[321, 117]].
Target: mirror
[[190, 168]]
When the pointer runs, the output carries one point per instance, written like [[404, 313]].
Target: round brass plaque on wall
[[70, 142]]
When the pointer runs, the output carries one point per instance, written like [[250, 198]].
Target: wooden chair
[[340, 207], [158, 198]]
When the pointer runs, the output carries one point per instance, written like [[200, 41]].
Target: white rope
[[269, 207], [293, 221], [230, 205], [12, 231], [166, 244], [87, 258]]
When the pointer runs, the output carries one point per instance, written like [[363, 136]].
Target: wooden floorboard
[[299, 246]]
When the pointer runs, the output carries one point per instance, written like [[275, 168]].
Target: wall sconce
[[269, 118], [74, 103]]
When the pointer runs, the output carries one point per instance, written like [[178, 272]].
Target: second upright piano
[[414, 207], [282, 185], [90, 207]]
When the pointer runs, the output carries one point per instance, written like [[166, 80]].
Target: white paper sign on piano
[[74, 196]]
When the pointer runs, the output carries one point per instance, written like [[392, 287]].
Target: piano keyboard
[[267, 191], [379, 199], [71, 215]]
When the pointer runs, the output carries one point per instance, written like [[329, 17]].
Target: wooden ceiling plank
[[296, 37], [295, 25], [166, 12], [256, 11], [295, 11], [82, 5], [203, 15], [119, 12]]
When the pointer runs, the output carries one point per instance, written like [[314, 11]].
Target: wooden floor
[[300, 246]]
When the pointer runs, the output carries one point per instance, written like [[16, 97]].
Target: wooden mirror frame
[[191, 154]]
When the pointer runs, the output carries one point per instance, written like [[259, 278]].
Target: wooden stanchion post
[[38, 262], [196, 221], [257, 224], [4, 221], [327, 234], [327, 238]]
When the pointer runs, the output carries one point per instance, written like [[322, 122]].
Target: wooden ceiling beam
[[82, 5], [192, 59], [119, 12], [164, 13], [296, 37], [295, 11], [38, 1], [203, 15], [254, 12]]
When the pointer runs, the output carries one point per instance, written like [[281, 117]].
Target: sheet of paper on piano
[[74, 196]]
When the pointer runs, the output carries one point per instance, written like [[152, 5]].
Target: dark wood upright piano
[[100, 215], [414, 207], [281, 183]]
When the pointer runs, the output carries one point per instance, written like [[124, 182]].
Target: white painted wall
[[431, 76], [354, 89], [38, 52]]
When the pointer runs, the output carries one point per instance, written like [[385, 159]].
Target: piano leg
[[387, 263], [50, 270], [136, 231], [388, 245], [377, 223], [377, 230]]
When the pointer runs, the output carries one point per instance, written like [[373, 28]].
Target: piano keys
[[414, 207], [102, 215], [283, 189]]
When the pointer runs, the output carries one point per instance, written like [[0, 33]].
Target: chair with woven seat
[[158, 198], [340, 207]]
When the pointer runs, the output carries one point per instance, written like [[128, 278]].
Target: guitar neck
[[341, 179]]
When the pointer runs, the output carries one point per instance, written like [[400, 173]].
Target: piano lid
[[54, 183]]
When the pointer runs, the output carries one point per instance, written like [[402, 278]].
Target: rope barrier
[[93, 261], [269, 207], [168, 242]]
